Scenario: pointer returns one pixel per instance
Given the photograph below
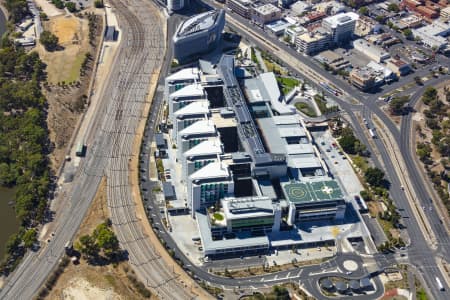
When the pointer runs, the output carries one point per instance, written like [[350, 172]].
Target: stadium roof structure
[[198, 23], [316, 191]]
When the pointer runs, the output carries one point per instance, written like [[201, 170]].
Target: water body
[[2, 23], [9, 224]]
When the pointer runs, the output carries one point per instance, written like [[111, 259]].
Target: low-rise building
[[292, 32], [314, 200], [335, 61], [399, 67], [373, 52], [241, 7], [445, 13], [278, 27], [265, 13], [313, 42], [433, 35], [362, 78], [411, 21], [365, 25]]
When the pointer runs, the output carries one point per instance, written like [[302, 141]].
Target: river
[[9, 224]]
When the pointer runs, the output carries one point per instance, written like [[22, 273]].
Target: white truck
[[372, 133], [439, 284]]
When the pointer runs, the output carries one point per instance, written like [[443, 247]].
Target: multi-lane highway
[[110, 140]]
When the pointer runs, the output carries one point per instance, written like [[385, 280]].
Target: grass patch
[[421, 295], [110, 279], [287, 83], [74, 72], [360, 162], [306, 109], [218, 216]]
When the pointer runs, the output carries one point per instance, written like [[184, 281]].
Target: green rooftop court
[[302, 192]]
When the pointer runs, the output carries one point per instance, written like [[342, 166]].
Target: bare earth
[[83, 281], [66, 102]]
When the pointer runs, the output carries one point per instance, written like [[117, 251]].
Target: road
[[110, 139]]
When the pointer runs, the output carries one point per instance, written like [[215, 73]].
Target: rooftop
[[267, 9], [342, 19], [315, 191], [240, 241], [199, 127], [208, 147], [184, 74], [196, 107], [192, 90], [246, 207], [212, 170], [198, 23]]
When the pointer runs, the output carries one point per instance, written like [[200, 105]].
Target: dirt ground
[[83, 281], [66, 102]]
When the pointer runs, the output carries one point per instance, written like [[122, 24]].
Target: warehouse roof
[[184, 74], [196, 107], [199, 127], [192, 90]]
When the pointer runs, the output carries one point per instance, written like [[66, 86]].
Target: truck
[[439, 284], [81, 149], [372, 133]]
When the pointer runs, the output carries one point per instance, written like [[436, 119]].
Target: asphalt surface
[[110, 139]]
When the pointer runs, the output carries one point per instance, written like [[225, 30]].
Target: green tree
[[363, 11], [98, 4], [407, 33], [374, 177], [18, 9], [429, 94], [71, 6], [397, 105], [29, 237], [280, 293], [88, 247], [393, 7], [49, 40], [106, 239]]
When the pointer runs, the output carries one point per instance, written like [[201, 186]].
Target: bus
[[81, 149]]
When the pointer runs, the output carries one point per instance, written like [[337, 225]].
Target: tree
[[106, 239], [374, 177], [429, 94], [29, 237], [98, 4], [280, 293], [49, 40], [407, 33], [88, 247], [397, 105], [71, 6], [393, 7], [363, 11]]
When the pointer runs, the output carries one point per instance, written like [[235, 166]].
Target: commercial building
[[184, 96], [445, 13], [433, 35], [241, 7], [313, 42], [265, 13], [314, 200], [399, 67], [341, 26], [362, 78], [334, 60], [198, 35], [365, 25], [278, 27], [373, 52], [293, 31], [411, 21]]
